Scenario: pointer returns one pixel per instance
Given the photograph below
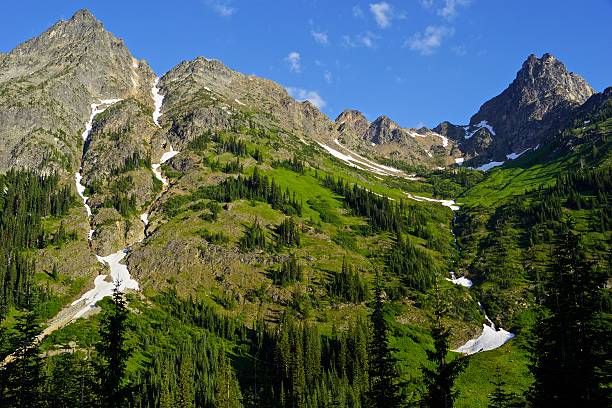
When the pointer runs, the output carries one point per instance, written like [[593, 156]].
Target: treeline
[[346, 285], [223, 143], [254, 187], [382, 213], [25, 199], [293, 164], [412, 264], [132, 163]]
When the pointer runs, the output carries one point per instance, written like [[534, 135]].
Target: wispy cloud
[[320, 37], [357, 12], [306, 95], [367, 40], [382, 13], [429, 40], [427, 3], [328, 77], [223, 8], [459, 50], [294, 61], [450, 9]]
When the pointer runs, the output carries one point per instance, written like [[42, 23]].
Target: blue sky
[[417, 61]]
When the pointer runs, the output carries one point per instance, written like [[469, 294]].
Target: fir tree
[[384, 378], [227, 391], [22, 378], [571, 345], [501, 397], [439, 379], [113, 352]]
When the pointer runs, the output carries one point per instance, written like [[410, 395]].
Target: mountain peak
[[351, 115], [541, 96], [84, 15]]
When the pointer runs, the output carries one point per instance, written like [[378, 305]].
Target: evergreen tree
[[439, 379], [384, 378], [113, 352], [186, 395], [227, 391], [71, 381], [22, 376], [571, 346], [501, 398]]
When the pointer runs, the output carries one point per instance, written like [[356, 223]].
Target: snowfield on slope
[[479, 125], [490, 338], [446, 203], [102, 287], [355, 160], [159, 101]]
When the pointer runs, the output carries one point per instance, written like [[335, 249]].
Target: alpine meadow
[[208, 238]]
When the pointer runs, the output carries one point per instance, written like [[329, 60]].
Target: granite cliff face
[[47, 85], [384, 137], [205, 94], [540, 100]]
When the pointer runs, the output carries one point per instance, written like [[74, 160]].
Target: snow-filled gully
[[491, 338], [103, 286], [119, 273]]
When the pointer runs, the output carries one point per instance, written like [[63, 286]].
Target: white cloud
[[428, 41], [320, 37], [357, 12], [306, 95], [367, 39], [459, 50], [222, 7], [328, 77], [427, 3], [449, 10], [382, 13], [294, 61]]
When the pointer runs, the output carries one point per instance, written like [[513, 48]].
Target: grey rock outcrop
[[48, 83]]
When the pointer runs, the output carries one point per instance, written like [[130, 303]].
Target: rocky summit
[[204, 239]]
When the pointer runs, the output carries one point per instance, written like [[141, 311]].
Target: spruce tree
[[227, 391], [501, 397], [22, 377], [113, 352], [384, 378], [572, 335], [439, 379]]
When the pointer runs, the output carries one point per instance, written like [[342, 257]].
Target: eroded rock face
[[540, 98], [48, 84], [352, 125], [204, 94]]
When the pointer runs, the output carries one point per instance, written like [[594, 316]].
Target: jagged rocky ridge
[[47, 83]]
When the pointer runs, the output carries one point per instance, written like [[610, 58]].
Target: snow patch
[[238, 102], [512, 156], [479, 125], [81, 191], [102, 287], [446, 203], [490, 165], [158, 100], [462, 280], [164, 158], [459, 160], [96, 108], [355, 160], [144, 217]]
